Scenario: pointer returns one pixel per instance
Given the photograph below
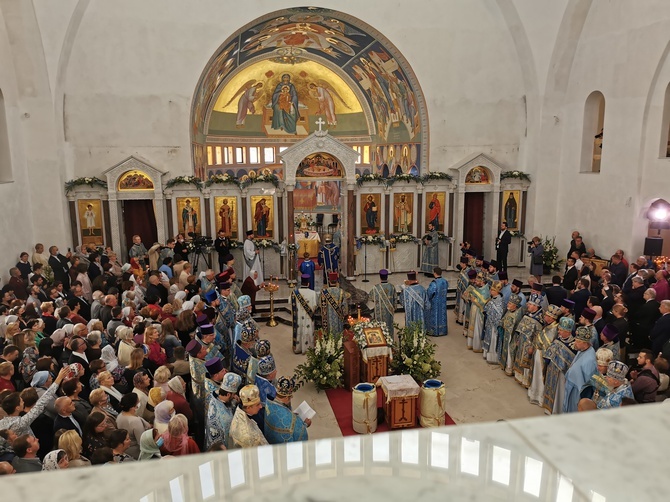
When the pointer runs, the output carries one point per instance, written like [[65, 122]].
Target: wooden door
[[473, 221]]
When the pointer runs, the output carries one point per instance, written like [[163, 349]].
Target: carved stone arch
[[479, 160], [319, 141], [115, 196]]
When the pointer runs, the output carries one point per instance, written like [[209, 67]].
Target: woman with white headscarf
[[55, 460], [126, 345]]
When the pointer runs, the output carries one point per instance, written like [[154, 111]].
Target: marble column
[[351, 226], [245, 227], [72, 206], [107, 223]]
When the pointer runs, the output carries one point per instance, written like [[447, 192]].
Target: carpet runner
[[340, 401]]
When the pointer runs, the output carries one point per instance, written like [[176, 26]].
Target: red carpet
[[340, 401]]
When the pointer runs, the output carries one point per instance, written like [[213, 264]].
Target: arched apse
[[341, 72]]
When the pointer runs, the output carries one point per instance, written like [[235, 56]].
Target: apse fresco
[[271, 99], [281, 75]]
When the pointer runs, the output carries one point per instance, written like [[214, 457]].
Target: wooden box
[[352, 359], [376, 367], [400, 411]]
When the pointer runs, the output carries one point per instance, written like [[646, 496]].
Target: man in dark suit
[[571, 275], [618, 270], [576, 244], [60, 265], [643, 322], [65, 420], [77, 294], [155, 288], [660, 333], [556, 293], [634, 298], [628, 282], [581, 297], [502, 246]]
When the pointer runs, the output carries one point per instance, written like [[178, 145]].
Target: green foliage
[[414, 355], [550, 255], [90, 181], [324, 364]]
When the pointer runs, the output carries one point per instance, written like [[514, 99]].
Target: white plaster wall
[[618, 53], [104, 80], [134, 66]]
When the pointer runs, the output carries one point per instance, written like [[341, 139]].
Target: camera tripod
[[199, 253]]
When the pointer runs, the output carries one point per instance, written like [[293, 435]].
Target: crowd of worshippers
[[109, 363], [589, 341]]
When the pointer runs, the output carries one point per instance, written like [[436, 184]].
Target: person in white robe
[[251, 259], [303, 307]]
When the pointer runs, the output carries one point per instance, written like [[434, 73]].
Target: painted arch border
[[354, 21]]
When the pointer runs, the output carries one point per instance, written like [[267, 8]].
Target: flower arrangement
[[376, 239], [359, 334], [435, 176], [185, 180], [304, 219], [404, 177], [324, 362], [387, 182], [222, 179], [266, 244], [259, 178], [89, 181], [293, 247], [235, 244], [444, 237], [414, 355], [403, 238], [368, 178], [517, 233], [550, 255], [518, 175]]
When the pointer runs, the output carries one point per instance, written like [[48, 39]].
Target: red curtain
[[474, 221], [139, 219]]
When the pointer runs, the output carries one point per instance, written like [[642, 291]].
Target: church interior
[[379, 128]]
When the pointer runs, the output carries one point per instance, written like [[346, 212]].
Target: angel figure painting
[[323, 92], [248, 94]]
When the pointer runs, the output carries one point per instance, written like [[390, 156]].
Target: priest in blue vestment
[[436, 315], [281, 424], [333, 303], [220, 411], [384, 296], [307, 267], [414, 299], [581, 370], [329, 258], [430, 257]]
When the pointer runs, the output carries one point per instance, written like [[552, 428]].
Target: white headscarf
[[188, 305], [111, 362], [180, 295]]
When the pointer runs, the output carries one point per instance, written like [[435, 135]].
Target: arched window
[[665, 130], [592, 134], [5, 157]]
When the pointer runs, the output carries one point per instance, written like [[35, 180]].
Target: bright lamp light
[[660, 214]]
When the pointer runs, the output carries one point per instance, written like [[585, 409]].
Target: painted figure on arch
[[285, 113]]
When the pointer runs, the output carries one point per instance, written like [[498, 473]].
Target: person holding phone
[[60, 265]]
